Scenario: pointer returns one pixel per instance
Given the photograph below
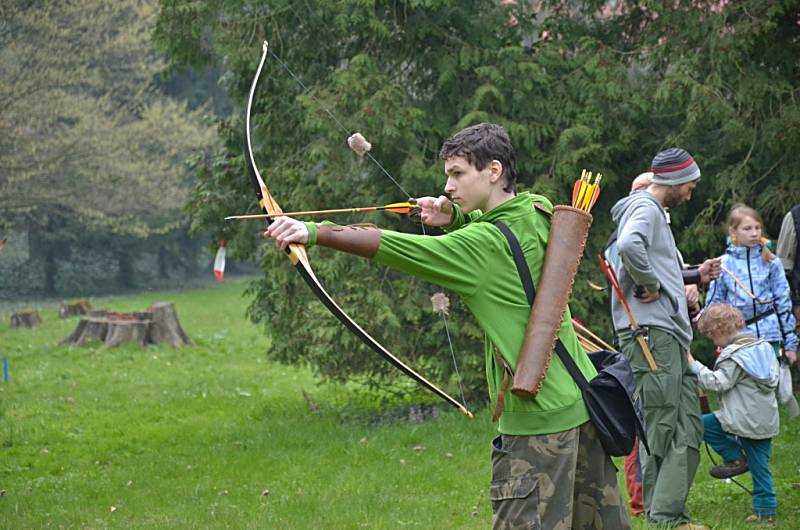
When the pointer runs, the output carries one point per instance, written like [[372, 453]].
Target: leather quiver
[[569, 230]]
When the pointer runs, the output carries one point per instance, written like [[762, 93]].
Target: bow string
[[297, 253]]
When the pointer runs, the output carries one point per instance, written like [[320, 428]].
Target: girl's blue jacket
[[767, 281]]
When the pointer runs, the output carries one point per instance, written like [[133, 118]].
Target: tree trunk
[[124, 269], [50, 272], [163, 262]]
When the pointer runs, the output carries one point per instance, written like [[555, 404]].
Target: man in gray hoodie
[[652, 283]]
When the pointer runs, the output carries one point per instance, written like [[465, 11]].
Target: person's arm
[[787, 243], [691, 276], [442, 212], [692, 299], [456, 261], [783, 305], [723, 378], [633, 242]]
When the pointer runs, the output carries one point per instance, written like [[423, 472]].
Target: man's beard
[[673, 199]]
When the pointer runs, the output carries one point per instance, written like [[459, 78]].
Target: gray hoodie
[[650, 259]]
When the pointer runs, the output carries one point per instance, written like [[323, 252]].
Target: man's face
[[467, 186], [680, 194]]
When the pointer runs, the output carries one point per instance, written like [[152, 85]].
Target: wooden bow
[[297, 255]]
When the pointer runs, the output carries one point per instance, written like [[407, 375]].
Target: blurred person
[[789, 252]]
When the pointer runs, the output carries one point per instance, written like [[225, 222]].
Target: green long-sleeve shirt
[[475, 262]]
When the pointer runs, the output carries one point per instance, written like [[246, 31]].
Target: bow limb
[[297, 255]]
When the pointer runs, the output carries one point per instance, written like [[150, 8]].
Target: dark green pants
[[557, 481], [673, 422]]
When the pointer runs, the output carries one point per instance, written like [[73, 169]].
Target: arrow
[[611, 276], [401, 208]]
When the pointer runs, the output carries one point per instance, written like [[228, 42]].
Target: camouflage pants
[[556, 481]]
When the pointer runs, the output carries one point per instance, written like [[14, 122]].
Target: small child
[[745, 375]]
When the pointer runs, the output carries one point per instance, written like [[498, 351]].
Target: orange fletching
[[398, 207]]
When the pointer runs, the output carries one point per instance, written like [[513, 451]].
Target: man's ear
[[496, 170]]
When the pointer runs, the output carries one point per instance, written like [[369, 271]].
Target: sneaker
[[760, 519], [729, 469]]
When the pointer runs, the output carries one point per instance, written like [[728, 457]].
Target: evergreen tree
[[578, 84]]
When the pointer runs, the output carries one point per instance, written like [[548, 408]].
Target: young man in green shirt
[[548, 467]]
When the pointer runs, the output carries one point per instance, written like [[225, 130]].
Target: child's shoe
[[729, 469], [766, 520]]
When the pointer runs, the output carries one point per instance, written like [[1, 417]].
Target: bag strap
[[762, 316], [530, 291], [519, 260]]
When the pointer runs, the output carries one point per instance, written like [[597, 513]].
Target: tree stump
[[76, 307], [122, 331], [91, 331], [157, 325], [26, 318], [166, 327]]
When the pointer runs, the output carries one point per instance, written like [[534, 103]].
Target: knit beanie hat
[[674, 167]]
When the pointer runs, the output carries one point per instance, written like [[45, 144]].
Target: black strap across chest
[[527, 283]]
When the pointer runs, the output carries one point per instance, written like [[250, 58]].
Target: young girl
[[753, 281], [745, 375]]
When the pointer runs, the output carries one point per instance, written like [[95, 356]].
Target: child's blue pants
[[730, 448]]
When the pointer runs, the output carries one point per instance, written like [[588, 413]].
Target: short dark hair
[[482, 143]]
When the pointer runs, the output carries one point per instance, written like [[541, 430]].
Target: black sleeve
[[690, 276]]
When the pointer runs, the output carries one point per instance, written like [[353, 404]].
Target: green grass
[[215, 436]]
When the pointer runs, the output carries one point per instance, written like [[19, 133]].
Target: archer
[[551, 435]]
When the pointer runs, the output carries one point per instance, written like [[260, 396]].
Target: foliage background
[[602, 85], [97, 148]]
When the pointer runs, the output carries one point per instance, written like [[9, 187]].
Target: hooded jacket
[[476, 263], [745, 375], [767, 281], [650, 259]]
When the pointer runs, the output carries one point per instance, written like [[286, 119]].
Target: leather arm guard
[[361, 240]]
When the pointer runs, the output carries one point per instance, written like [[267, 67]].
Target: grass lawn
[[215, 436]]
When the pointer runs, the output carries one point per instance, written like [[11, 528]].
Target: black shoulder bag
[[611, 397]]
